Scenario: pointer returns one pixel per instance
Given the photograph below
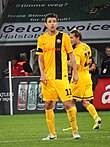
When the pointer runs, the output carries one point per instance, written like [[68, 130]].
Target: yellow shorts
[[56, 88], [81, 92]]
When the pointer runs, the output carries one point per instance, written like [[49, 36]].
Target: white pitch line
[[31, 140]]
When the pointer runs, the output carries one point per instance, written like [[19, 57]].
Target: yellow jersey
[[54, 50], [83, 58]]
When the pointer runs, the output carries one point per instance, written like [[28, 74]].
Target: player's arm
[[39, 52], [69, 50], [42, 68], [92, 65], [69, 64], [74, 66]]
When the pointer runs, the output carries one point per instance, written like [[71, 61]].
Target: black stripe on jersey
[[58, 56], [83, 97], [39, 50]]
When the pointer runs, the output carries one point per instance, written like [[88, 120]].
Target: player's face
[[108, 52], [51, 24], [73, 39]]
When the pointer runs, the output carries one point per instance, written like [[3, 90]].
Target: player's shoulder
[[65, 34], [77, 50], [86, 45], [42, 36]]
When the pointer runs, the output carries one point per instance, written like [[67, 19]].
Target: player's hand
[[43, 79]]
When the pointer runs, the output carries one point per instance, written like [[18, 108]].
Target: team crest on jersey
[[58, 41]]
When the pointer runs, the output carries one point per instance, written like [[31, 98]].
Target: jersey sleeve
[[67, 42], [39, 49]]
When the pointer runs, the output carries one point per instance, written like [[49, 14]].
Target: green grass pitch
[[28, 131]]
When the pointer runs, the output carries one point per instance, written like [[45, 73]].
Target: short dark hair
[[51, 15], [107, 47], [77, 34]]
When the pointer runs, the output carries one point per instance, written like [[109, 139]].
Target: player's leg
[[66, 98], [49, 95], [69, 127], [50, 120], [91, 109], [71, 113], [77, 93]]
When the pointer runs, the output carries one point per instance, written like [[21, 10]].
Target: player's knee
[[48, 105], [67, 104], [85, 103]]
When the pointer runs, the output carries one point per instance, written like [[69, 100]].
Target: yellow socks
[[50, 121], [92, 111], [71, 113]]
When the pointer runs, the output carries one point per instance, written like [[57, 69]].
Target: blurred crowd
[[19, 66]]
